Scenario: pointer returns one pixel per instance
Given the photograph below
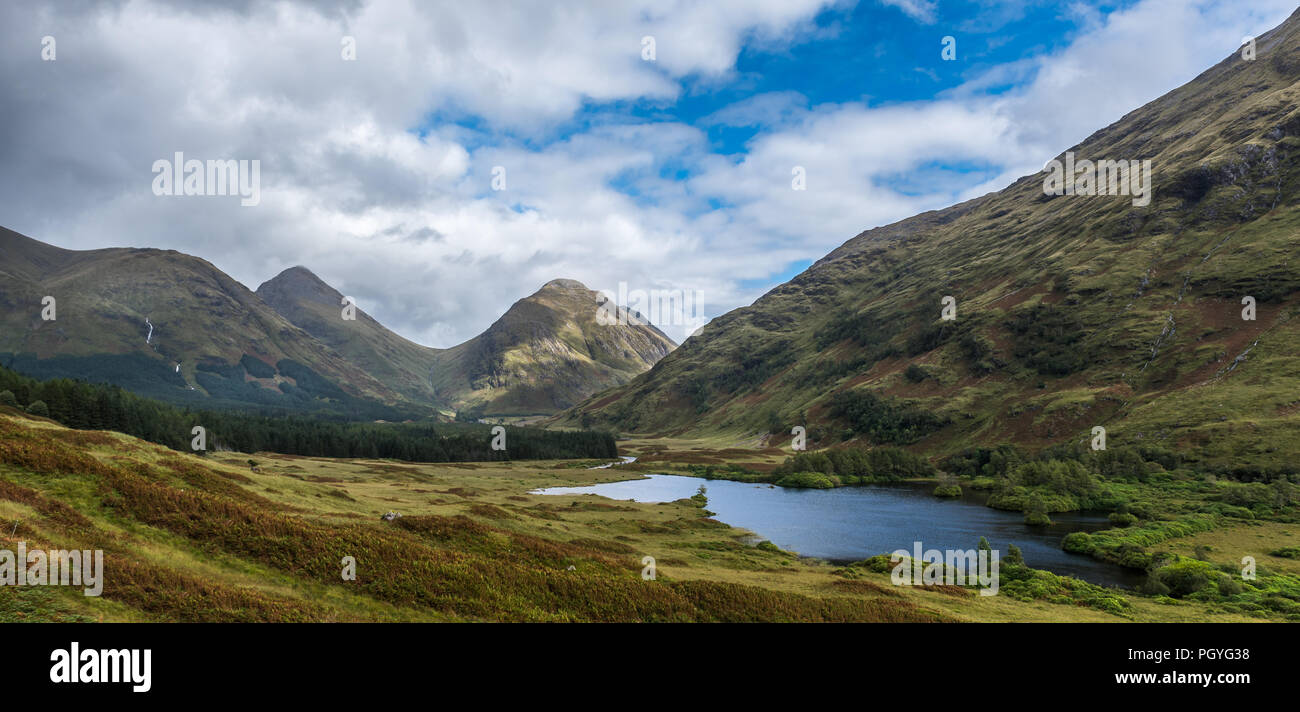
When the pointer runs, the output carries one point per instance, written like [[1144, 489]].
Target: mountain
[[314, 306], [546, 353], [1072, 311], [166, 325], [174, 327]]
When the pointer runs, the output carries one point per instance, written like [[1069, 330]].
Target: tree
[[39, 408], [7, 398]]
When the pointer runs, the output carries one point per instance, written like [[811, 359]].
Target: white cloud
[[409, 224], [923, 11]]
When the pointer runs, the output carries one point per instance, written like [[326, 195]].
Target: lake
[[853, 523]]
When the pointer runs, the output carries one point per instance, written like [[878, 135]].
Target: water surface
[[853, 523]]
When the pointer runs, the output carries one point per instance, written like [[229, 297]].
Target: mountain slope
[[546, 353], [163, 324], [1073, 311], [171, 326], [311, 304]]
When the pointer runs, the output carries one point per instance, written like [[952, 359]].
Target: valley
[[208, 539], [1087, 373]]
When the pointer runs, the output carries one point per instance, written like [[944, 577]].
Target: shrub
[[701, 498], [915, 373], [1078, 543], [1247, 494], [947, 491], [1037, 519], [1184, 577], [1122, 519], [7, 398], [814, 480], [39, 408]]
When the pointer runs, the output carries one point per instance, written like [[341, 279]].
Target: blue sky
[[667, 174]]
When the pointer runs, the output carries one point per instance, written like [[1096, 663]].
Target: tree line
[[88, 406]]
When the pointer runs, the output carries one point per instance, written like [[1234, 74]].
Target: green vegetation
[[190, 539], [224, 385], [1047, 339], [1070, 313], [850, 466], [90, 406], [884, 421]]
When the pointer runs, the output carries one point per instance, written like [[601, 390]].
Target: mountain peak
[[565, 284], [298, 283]]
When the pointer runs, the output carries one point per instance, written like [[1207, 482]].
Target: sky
[[469, 152]]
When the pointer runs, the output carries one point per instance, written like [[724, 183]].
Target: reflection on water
[[853, 523]]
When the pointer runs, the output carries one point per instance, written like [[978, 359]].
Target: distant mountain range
[[172, 326], [1071, 311]]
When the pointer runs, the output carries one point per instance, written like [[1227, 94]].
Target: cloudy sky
[[665, 171]]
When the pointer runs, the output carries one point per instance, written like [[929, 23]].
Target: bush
[[1249, 495], [7, 398], [701, 498], [1184, 577], [947, 491], [915, 373], [1078, 543], [1037, 519], [1122, 519], [814, 480], [39, 408]]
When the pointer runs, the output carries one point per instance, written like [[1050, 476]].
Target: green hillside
[[165, 325], [173, 327], [546, 353], [1073, 311]]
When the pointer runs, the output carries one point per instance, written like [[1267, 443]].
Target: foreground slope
[[1072, 311], [207, 539], [191, 539]]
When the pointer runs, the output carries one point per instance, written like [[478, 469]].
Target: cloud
[[923, 11], [377, 173]]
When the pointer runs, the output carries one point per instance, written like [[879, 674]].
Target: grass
[[191, 539], [206, 539]]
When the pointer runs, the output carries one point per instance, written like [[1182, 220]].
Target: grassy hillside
[[166, 325], [309, 303], [173, 327], [187, 539], [1072, 311], [190, 539], [546, 353]]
